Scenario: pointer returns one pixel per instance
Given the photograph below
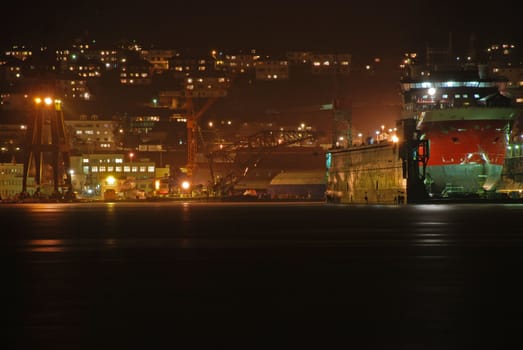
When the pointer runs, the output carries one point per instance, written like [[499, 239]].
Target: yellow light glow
[[48, 101], [110, 180], [38, 100], [186, 185], [157, 185], [395, 139]]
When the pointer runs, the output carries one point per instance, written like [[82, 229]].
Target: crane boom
[[192, 129]]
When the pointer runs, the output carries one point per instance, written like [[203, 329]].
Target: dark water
[[273, 275]]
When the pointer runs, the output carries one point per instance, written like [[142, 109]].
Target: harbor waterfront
[[195, 274]]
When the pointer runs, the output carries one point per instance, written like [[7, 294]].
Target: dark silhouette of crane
[[254, 147]]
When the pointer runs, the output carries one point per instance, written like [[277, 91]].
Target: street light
[[110, 180], [186, 185]]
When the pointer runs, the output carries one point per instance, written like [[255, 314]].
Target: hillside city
[[148, 122]]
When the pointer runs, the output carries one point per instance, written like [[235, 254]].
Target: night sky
[[364, 28]]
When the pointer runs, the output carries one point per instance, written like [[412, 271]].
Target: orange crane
[[192, 129]]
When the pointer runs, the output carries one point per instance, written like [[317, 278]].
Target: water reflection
[[415, 271], [110, 243], [46, 245], [45, 207]]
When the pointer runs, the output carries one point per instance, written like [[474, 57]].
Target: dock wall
[[366, 174]]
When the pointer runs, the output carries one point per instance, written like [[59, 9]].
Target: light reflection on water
[[110, 243], [61, 227], [432, 239], [46, 245], [45, 207], [68, 245]]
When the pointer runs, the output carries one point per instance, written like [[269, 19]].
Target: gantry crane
[[46, 135]]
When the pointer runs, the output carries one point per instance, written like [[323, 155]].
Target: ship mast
[[341, 108]]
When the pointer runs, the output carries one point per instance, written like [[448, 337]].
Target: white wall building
[[11, 177]]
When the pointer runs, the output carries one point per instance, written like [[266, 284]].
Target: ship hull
[[462, 180], [467, 149]]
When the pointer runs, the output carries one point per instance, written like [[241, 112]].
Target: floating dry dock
[[386, 172]]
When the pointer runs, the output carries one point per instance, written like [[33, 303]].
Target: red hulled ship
[[466, 117]]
